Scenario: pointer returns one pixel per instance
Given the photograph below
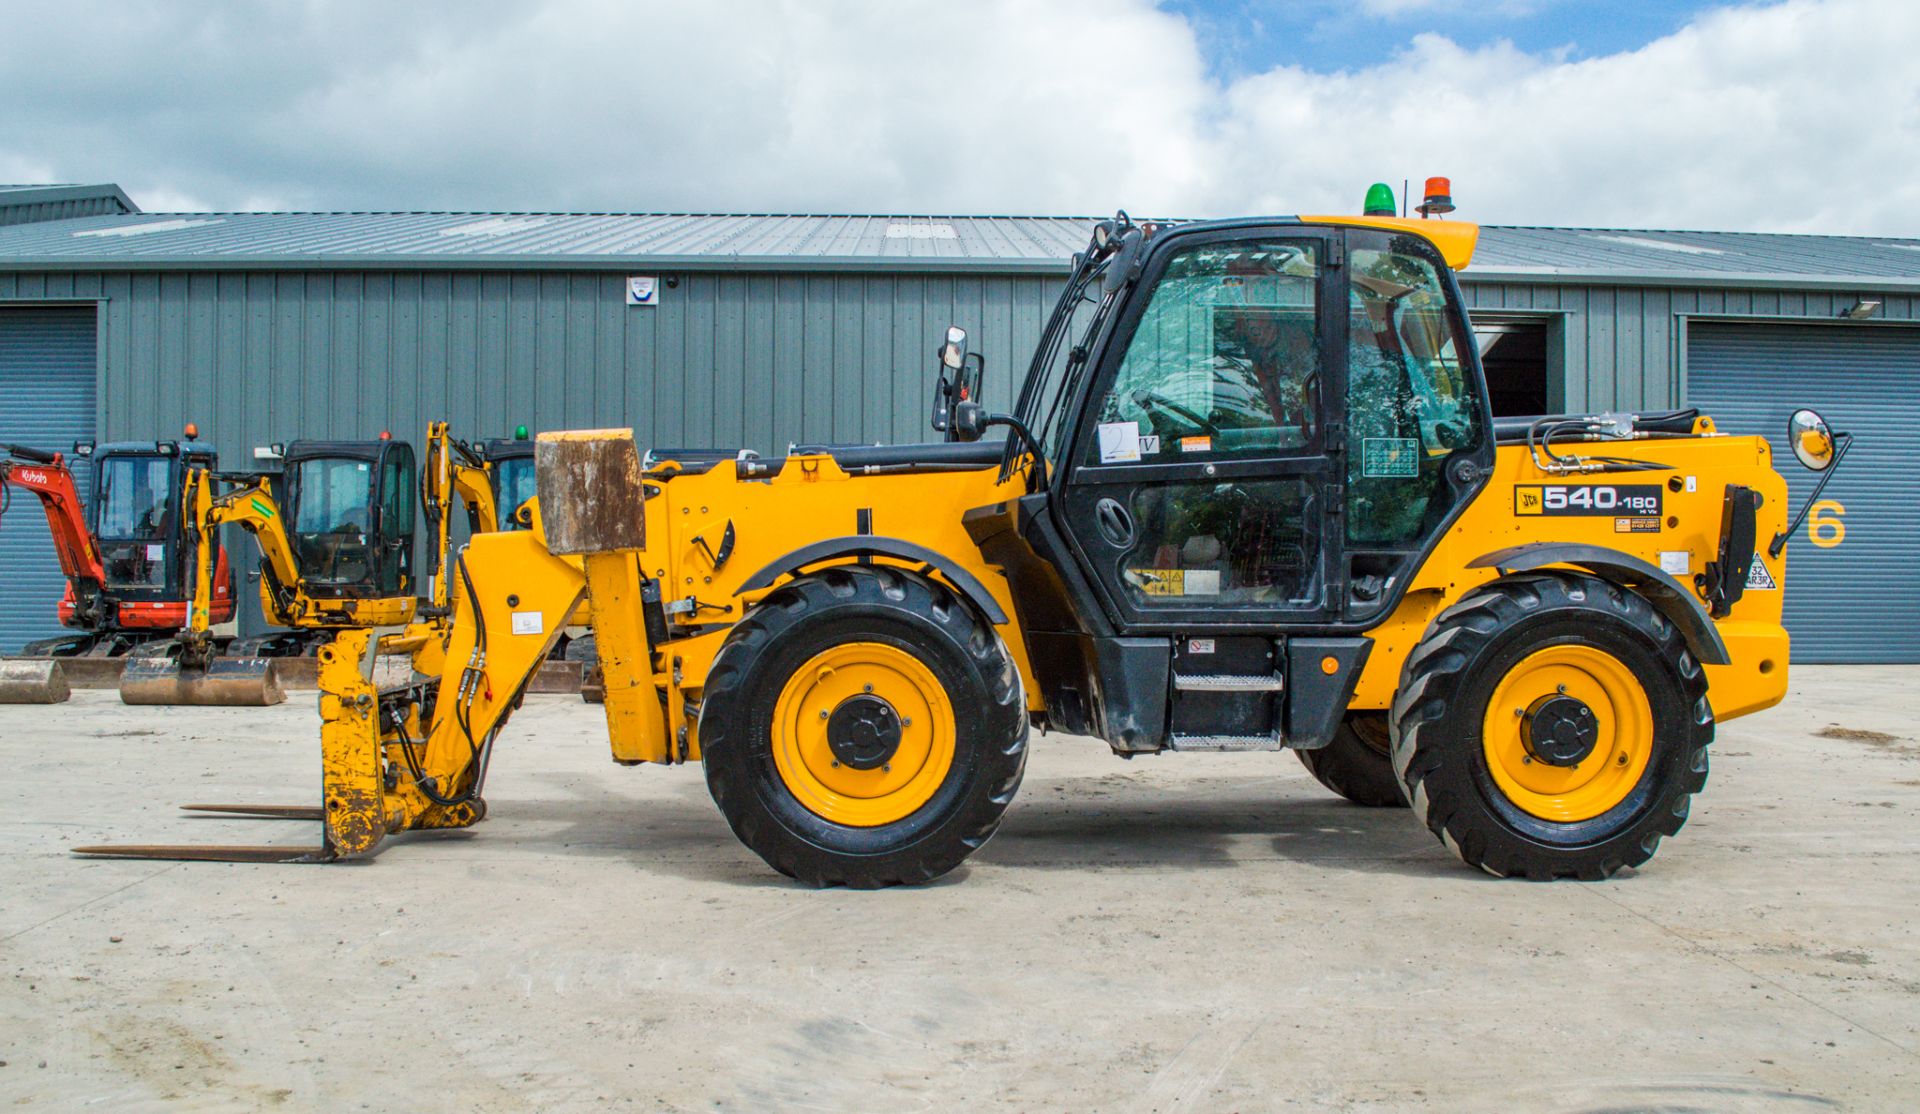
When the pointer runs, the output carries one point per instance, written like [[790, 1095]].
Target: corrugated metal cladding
[[47, 387], [1854, 587], [1621, 343], [727, 359]]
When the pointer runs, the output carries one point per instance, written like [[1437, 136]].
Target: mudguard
[[1666, 594]]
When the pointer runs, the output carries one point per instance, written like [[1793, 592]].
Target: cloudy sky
[[1802, 115]]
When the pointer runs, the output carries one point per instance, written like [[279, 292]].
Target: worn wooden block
[[591, 500]]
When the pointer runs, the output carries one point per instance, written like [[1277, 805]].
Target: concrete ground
[[1176, 933]]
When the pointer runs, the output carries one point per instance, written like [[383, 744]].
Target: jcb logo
[[1526, 500]]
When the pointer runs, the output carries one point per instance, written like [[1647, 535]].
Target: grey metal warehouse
[[765, 329]]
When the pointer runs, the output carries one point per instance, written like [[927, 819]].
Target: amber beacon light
[[1438, 197]]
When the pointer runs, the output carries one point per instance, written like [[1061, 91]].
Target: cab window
[[134, 496], [1224, 362], [1411, 400]]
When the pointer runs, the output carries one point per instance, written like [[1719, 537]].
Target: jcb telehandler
[[335, 528], [126, 552], [1251, 498]]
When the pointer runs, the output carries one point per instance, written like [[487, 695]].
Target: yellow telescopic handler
[[1251, 498]]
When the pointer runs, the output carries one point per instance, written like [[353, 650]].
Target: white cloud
[[1798, 116]]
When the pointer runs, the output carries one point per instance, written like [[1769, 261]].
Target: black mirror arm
[[1842, 442], [942, 404]]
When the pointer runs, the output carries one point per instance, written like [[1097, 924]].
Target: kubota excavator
[[1252, 498], [127, 553]]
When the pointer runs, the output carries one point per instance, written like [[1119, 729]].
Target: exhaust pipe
[[33, 681], [221, 683]]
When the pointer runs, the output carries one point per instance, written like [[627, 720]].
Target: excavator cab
[[510, 466], [350, 517], [146, 552]]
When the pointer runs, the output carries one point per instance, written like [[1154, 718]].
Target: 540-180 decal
[[1634, 508]]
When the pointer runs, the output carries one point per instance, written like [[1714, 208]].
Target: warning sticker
[[1390, 456], [1676, 562], [528, 622], [1196, 444], [1636, 526], [1176, 582], [1758, 578]]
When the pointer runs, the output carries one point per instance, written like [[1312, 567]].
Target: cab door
[[394, 523], [1203, 489]]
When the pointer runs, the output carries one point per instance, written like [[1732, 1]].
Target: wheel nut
[[1623, 760], [836, 763], [866, 688], [907, 722], [886, 767]]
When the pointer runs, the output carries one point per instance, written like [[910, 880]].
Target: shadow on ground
[[1062, 824]]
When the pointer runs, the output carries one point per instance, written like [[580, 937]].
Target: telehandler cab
[[335, 528], [126, 553], [1251, 498]]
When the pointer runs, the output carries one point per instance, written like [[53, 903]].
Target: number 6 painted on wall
[[1824, 527]]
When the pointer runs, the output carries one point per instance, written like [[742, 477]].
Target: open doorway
[[1515, 353]]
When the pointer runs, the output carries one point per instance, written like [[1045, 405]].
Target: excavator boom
[[45, 475]]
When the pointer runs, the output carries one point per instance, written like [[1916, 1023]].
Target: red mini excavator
[[127, 559]]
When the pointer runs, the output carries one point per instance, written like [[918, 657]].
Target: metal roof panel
[[776, 241]]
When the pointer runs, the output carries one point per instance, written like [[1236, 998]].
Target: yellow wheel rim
[[806, 760], [1623, 745]]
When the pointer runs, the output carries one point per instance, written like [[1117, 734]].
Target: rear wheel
[[863, 727], [1552, 726], [1358, 763]]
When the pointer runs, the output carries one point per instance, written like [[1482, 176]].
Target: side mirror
[[1811, 440], [953, 354], [1818, 447], [966, 369]]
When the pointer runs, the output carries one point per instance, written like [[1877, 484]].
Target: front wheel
[[863, 727], [1552, 726]]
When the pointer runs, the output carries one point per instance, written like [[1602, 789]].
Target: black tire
[[1358, 763], [868, 604], [1450, 678]]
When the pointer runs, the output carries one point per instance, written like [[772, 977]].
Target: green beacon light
[[520, 433], [1380, 201]]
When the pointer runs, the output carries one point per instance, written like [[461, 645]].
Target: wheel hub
[[864, 732], [1559, 730]]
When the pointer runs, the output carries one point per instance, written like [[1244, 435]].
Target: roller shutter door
[[1856, 598], [46, 401]]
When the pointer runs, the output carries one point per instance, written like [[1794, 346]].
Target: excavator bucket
[[221, 683], [33, 681]]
